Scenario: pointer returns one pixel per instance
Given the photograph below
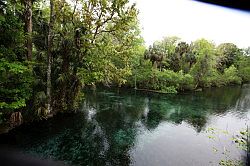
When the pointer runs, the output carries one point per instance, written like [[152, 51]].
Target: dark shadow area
[[12, 157]]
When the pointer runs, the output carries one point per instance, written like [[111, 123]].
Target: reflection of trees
[[79, 142], [191, 108], [118, 124], [104, 139], [243, 102], [105, 135], [165, 111], [221, 99]]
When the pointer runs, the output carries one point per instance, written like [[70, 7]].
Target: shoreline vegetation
[[50, 51]]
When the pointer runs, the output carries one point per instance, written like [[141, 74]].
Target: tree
[[227, 54], [28, 26], [182, 51], [204, 53], [49, 54], [156, 54], [170, 44], [246, 51], [94, 50], [162, 53], [243, 66], [113, 36], [16, 75]]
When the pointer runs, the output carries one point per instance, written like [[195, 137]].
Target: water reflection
[[111, 128]]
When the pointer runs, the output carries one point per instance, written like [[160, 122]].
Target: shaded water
[[135, 128]]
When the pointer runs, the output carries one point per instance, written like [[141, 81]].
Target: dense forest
[[51, 50]]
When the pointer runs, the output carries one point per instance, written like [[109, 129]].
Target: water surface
[[141, 129]]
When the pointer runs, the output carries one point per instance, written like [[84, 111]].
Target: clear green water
[[135, 128]]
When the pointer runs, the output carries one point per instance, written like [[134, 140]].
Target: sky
[[191, 20]]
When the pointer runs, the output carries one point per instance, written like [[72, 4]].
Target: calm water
[[135, 128]]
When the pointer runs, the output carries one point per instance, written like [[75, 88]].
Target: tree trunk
[[28, 27], [65, 70], [50, 42]]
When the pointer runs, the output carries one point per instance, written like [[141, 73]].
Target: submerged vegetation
[[240, 140], [50, 50]]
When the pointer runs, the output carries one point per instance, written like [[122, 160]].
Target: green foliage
[[241, 140], [169, 89], [227, 54], [243, 65], [98, 49], [166, 81], [173, 80], [11, 36], [204, 52], [98, 42], [231, 75], [215, 78], [16, 74], [15, 85], [182, 66]]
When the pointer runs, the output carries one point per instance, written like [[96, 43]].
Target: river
[[141, 129]]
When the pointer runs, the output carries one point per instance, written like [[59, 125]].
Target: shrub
[[231, 75]]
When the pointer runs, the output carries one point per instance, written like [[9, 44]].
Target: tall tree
[[204, 52], [49, 54], [156, 54], [28, 26], [181, 52], [227, 55], [170, 44], [16, 77], [111, 33]]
